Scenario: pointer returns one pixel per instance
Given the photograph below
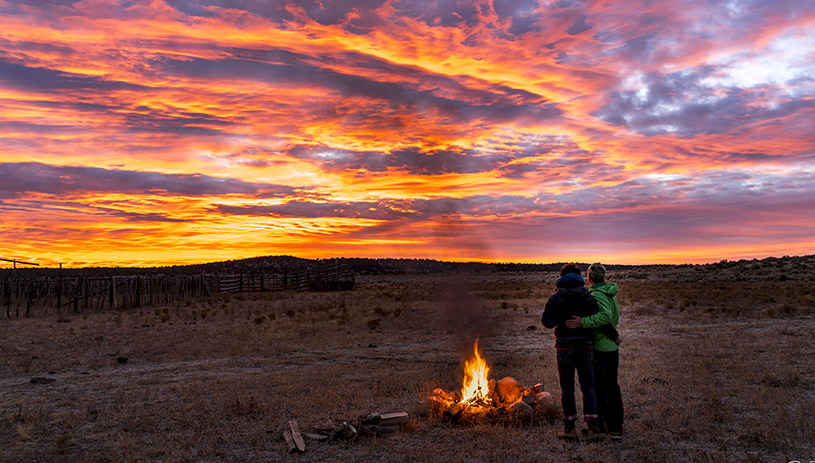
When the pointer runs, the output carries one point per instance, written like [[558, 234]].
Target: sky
[[623, 131]]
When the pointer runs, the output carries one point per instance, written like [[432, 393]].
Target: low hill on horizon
[[770, 268]]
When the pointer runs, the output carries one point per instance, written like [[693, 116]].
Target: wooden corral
[[25, 297]]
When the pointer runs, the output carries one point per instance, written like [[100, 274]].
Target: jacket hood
[[570, 280], [609, 289]]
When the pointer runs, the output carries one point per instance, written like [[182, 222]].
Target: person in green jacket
[[606, 350]]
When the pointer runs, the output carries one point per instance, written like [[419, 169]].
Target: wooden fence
[[328, 276], [24, 297]]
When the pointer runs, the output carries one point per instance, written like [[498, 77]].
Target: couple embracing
[[586, 339]]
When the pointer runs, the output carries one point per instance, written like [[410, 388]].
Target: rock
[[534, 400], [531, 328], [536, 389], [121, 360], [421, 409], [521, 409], [509, 390], [40, 380]]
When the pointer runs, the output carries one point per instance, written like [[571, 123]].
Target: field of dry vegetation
[[710, 370]]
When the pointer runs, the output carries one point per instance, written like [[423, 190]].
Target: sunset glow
[[164, 132]]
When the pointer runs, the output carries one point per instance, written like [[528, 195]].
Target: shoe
[[593, 432], [615, 435], [569, 431]]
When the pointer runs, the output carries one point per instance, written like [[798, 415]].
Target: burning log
[[454, 413]]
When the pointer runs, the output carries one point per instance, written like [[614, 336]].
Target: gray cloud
[[19, 178], [34, 79], [681, 103]]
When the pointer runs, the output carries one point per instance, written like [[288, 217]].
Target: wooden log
[[296, 436], [350, 430], [377, 429], [454, 413], [289, 441], [328, 426]]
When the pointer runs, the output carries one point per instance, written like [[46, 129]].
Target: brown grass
[[216, 379]]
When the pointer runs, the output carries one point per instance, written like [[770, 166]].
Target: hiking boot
[[593, 432], [569, 431]]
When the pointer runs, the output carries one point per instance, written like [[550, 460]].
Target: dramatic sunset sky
[[183, 131]]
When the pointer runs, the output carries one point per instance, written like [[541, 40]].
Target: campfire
[[475, 389], [482, 398]]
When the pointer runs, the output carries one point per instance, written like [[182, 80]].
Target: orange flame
[[475, 387]]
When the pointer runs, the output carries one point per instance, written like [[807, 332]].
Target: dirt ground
[[217, 379]]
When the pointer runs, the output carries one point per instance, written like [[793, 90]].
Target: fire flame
[[475, 389]]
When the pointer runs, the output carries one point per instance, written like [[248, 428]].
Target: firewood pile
[[348, 431], [507, 401]]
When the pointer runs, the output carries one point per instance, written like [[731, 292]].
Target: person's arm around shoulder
[[602, 317]]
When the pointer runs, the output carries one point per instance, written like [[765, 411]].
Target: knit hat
[[598, 270]]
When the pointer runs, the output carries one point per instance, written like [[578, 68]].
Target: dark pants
[[567, 362], [609, 397]]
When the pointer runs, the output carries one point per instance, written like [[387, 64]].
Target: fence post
[[28, 297], [85, 295], [112, 292], [59, 290], [7, 287], [138, 291], [76, 295]]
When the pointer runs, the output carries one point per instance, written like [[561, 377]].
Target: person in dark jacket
[[575, 349]]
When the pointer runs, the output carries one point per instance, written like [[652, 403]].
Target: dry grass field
[[710, 372]]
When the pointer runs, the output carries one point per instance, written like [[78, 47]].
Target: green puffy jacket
[[606, 295]]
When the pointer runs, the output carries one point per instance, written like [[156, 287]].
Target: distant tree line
[[796, 267]]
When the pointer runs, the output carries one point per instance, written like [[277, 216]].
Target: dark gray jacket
[[571, 298]]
